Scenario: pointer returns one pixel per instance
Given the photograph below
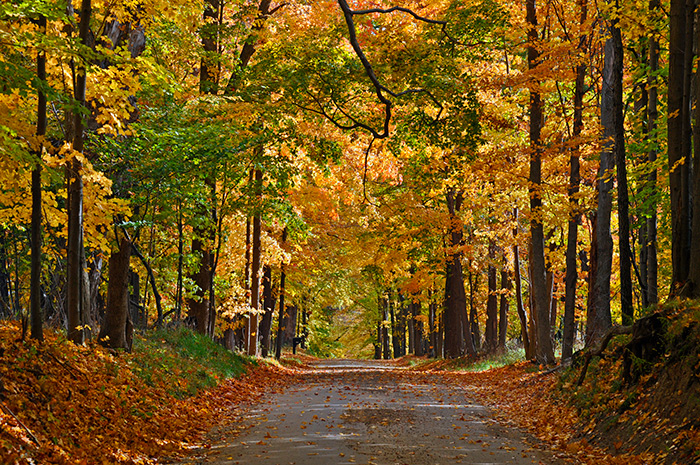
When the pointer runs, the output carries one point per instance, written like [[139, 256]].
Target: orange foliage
[[68, 404]]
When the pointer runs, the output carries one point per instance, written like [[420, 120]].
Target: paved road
[[364, 412]]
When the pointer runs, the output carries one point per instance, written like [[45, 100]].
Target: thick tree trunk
[[37, 318], [116, 331], [694, 273], [545, 351], [678, 148], [599, 318], [455, 313]]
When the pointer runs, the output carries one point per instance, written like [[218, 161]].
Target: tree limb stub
[[598, 351]]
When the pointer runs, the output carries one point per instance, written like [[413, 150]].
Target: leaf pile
[[69, 404]]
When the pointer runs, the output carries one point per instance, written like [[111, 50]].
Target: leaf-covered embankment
[[63, 403]]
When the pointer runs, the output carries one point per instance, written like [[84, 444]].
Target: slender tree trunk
[[574, 187], [473, 310], [37, 318], [678, 149], [653, 116], [75, 293], [282, 319], [503, 311], [492, 303], [433, 329], [519, 292], [623, 215], [255, 273], [545, 351], [386, 348], [418, 343]]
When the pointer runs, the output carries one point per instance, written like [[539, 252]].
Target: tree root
[[598, 351]]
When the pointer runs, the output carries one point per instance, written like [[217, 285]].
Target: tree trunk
[[252, 335], [623, 215], [282, 319], [653, 116], [694, 273], [116, 328], [492, 303], [599, 317], [456, 305], [37, 318], [268, 309], [74, 272], [386, 348], [571, 278], [678, 148], [418, 343], [473, 310], [519, 292], [545, 351], [503, 312]]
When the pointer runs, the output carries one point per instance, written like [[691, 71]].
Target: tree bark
[[74, 272], [252, 334], [116, 328], [599, 317], [519, 292], [456, 305], [282, 319], [503, 311], [37, 317], [571, 278], [678, 148], [473, 310], [694, 270], [623, 216], [653, 116], [268, 310], [492, 303], [545, 351]]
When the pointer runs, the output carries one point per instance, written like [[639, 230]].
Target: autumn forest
[[352, 178]]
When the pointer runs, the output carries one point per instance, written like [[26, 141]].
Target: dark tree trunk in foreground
[[652, 118], [37, 317], [599, 317], [678, 149], [116, 331]]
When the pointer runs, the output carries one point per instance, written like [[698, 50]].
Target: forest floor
[[179, 398]]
